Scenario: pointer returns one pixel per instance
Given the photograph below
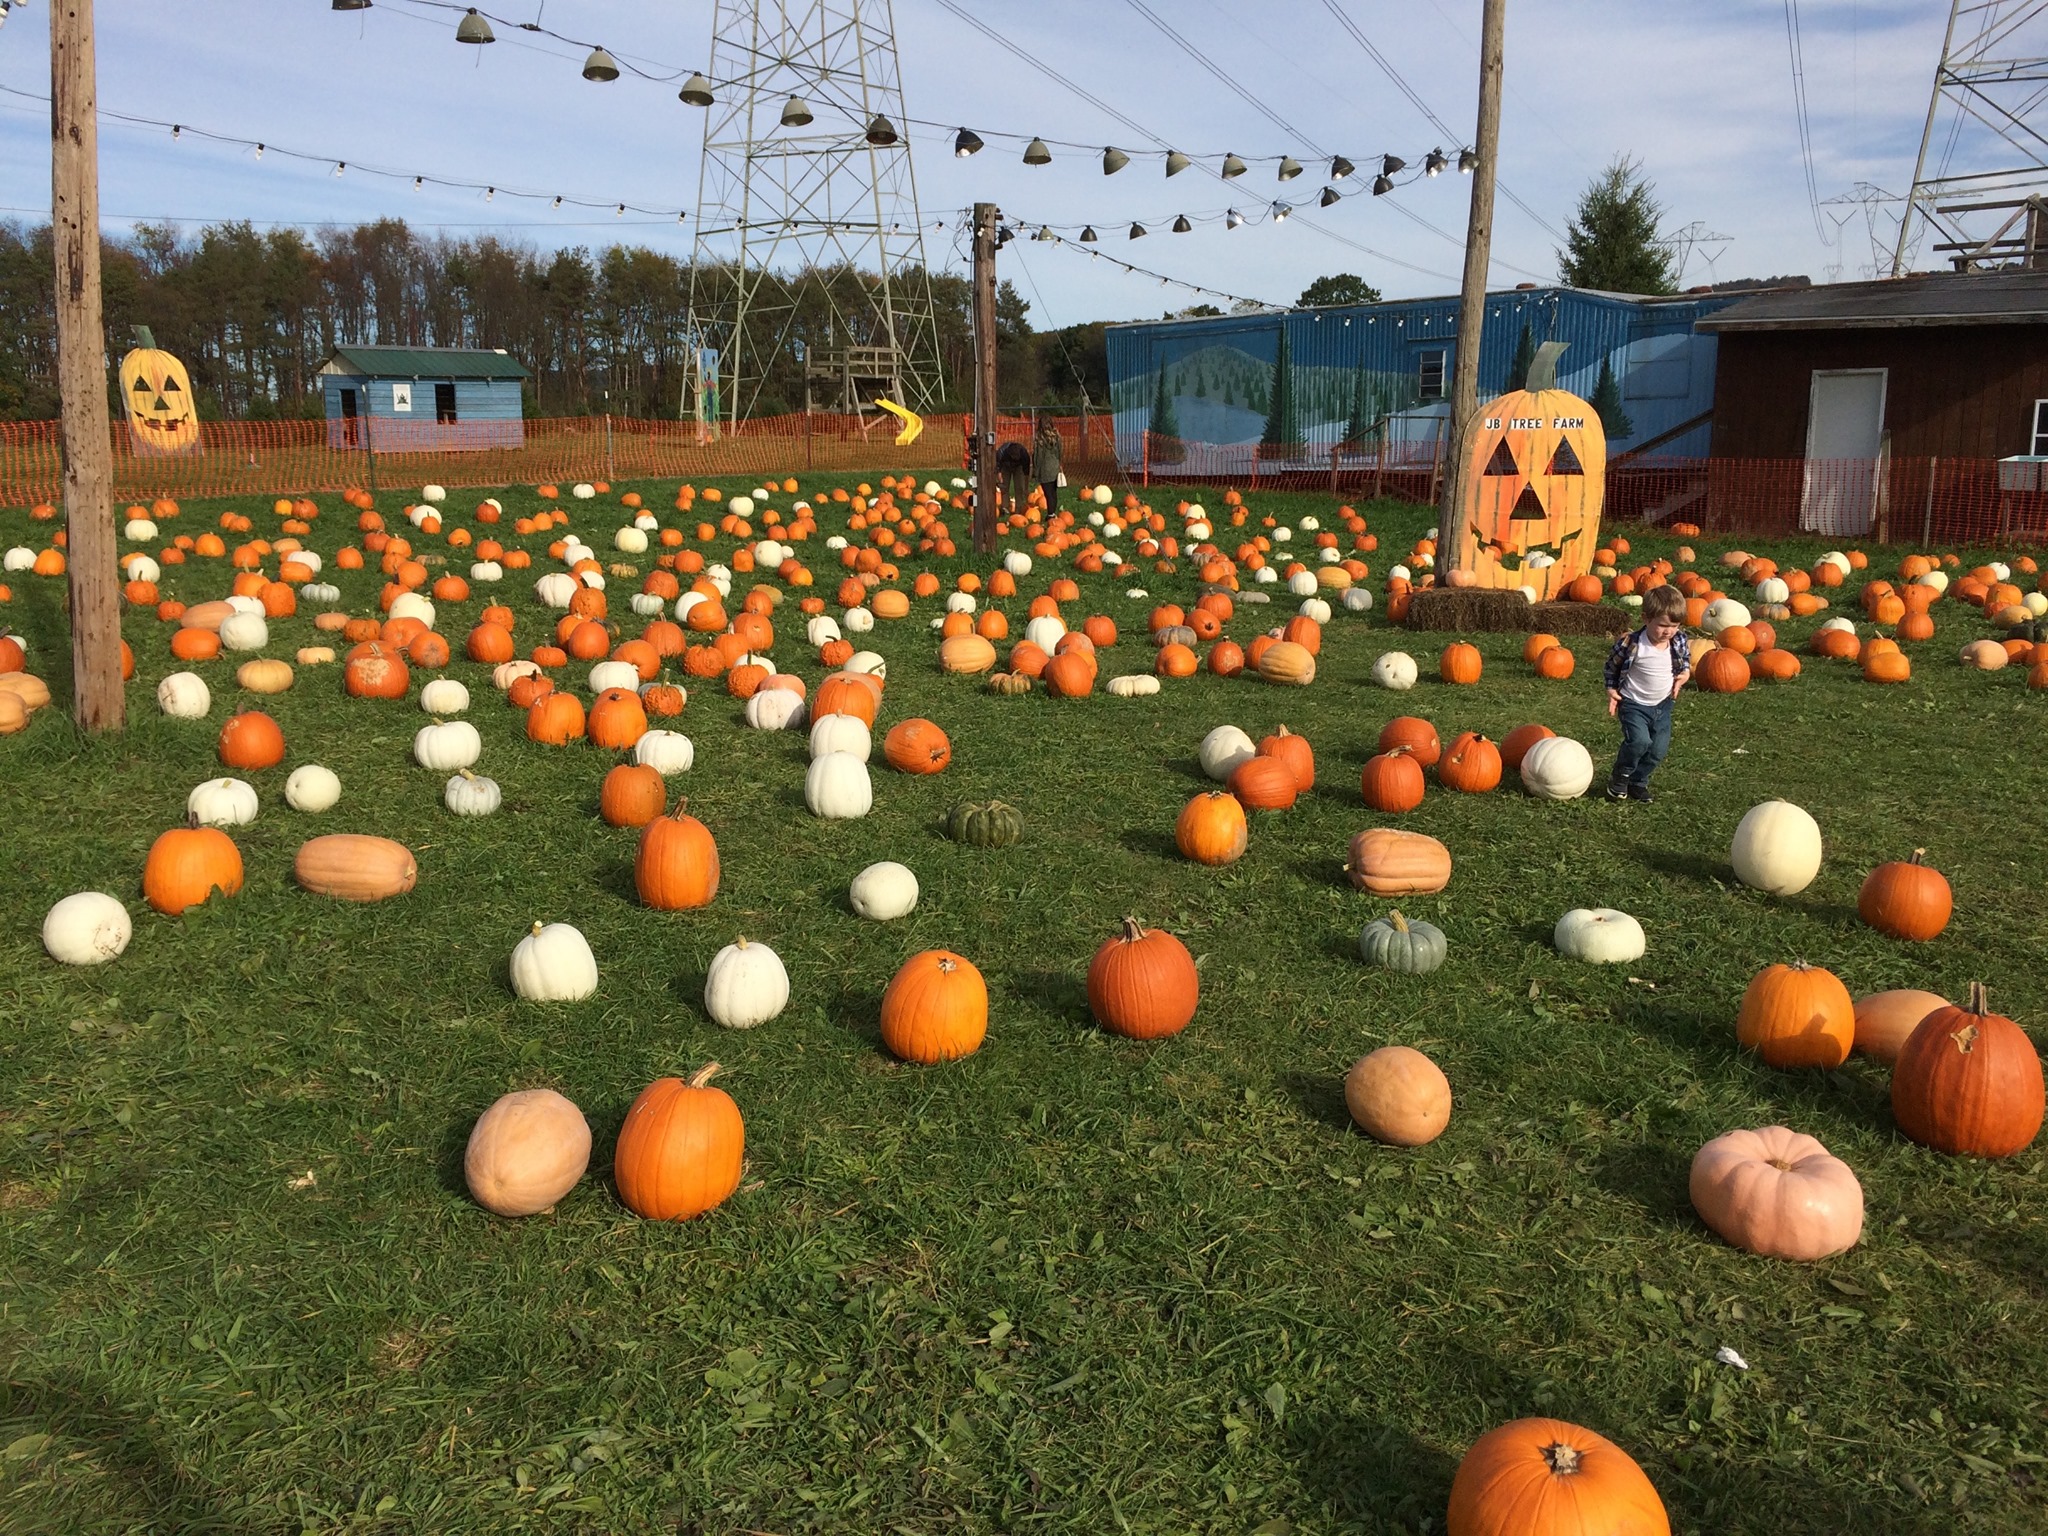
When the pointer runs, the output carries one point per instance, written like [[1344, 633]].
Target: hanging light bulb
[[600, 67], [696, 92], [796, 113], [558, 199], [1232, 219], [1088, 234], [1468, 162], [619, 212], [176, 130], [1330, 198], [1035, 153], [1289, 168], [967, 143], [418, 182], [474, 29], [681, 216], [1280, 212], [1181, 225], [1176, 162], [881, 132], [1114, 160], [1232, 166], [1433, 163], [340, 166], [1392, 165], [1340, 168], [1382, 184], [490, 194], [1137, 231], [259, 151]]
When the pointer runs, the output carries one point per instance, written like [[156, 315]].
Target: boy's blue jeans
[[1645, 738]]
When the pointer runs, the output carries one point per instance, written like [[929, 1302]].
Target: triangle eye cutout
[[171, 387], [142, 387], [1502, 462], [1564, 461], [1528, 507]]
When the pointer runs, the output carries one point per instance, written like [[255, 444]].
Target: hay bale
[[1478, 610], [1581, 619]]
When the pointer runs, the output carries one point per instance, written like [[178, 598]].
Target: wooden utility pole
[[1472, 293], [98, 703], [985, 216]]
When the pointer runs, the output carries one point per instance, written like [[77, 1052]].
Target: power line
[[1228, 80], [1793, 42]]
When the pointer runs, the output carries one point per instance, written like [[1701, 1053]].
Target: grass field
[[1070, 1283]]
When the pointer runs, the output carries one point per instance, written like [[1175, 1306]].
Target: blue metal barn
[[423, 399]]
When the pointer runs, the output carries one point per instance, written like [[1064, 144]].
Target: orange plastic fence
[[271, 458]]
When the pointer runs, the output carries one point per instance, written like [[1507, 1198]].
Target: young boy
[[1645, 671]]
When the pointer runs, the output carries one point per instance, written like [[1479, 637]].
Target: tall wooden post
[[97, 700], [1472, 293], [984, 378]]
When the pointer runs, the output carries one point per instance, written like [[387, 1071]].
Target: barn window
[[1429, 383], [2040, 428]]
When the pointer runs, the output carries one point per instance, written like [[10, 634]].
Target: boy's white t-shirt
[[1648, 679]]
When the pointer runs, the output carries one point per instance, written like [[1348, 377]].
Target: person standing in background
[[1013, 463], [1045, 463]]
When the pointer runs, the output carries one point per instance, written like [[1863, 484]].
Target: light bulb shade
[[600, 66], [1088, 234], [1045, 233], [1331, 196], [1137, 231], [1382, 184], [1289, 168], [796, 113], [1340, 168], [1232, 219], [968, 142], [1114, 160], [1433, 163], [1280, 212], [1468, 162], [1181, 225], [1392, 165], [351, 5], [881, 132], [1232, 166], [474, 29], [696, 92], [1035, 153], [1176, 162]]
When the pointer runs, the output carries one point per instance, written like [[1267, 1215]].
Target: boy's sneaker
[[1618, 792], [1640, 792]]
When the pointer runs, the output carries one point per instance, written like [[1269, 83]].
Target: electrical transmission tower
[[809, 265], [1981, 181]]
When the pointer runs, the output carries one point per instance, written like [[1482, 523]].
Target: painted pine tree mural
[[1606, 402], [1165, 428], [1283, 413], [1358, 424]]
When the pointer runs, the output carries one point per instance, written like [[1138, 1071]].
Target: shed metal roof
[[1973, 298], [424, 363]]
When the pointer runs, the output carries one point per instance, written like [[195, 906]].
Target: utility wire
[[1228, 80], [1793, 41]]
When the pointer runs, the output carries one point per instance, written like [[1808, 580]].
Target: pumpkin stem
[[704, 1074], [740, 942], [1563, 1459], [1400, 923], [1980, 999], [536, 927], [1919, 856], [1132, 931], [1543, 367]]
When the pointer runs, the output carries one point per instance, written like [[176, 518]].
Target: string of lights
[[1052, 237]]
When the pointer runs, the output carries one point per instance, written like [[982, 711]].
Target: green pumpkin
[[1414, 949], [994, 825]]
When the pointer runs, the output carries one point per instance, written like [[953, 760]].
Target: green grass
[[1070, 1283]]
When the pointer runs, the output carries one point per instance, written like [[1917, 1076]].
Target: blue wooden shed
[[423, 399]]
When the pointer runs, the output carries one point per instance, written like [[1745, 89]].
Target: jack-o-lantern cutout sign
[[158, 395], [1534, 485]]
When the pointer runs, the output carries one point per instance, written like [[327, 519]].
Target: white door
[[1844, 439]]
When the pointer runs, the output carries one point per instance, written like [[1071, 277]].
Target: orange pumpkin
[[632, 795], [1142, 983], [1544, 1477], [251, 740], [917, 746], [185, 866], [935, 1009], [681, 1149], [676, 866]]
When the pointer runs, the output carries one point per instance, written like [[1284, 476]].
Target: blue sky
[[1703, 95]]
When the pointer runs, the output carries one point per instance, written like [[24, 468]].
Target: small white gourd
[[1223, 749], [884, 891], [444, 696], [221, 803], [1135, 685], [87, 928], [775, 709], [1599, 935], [841, 733], [1557, 768], [471, 794], [447, 745], [553, 964], [244, 632], [312, 789], [746, 985], [1395, 670], [666, 752], [184, 696]]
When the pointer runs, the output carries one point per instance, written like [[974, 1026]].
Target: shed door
[[444, 402], [1844, 442]]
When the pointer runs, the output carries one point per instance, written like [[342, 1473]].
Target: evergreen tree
[[1283, 412], [1611, 240], [1518, 370], [1606, 402], [1164, 423], [1202, 385]]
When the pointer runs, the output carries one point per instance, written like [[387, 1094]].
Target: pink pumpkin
[[1777, 1193]]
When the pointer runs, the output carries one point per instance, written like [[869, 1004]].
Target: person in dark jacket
[[1045, 463], [1013, 464]]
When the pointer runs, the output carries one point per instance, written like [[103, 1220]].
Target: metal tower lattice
[[1981, 182], [809, 260]]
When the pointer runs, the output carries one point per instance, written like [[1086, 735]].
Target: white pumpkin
[[775, 709], [614, 674], [1772, 589], [486, 570], [410, 605], [324, 592], [241, 603], [959, 602], [1847, 626], [1356, 599], [1103, 495], [142, 568], [1223, 749], [883, 892], [1557, 768], [244, 632], [1935, 579], [841, 733], [1045, 632], [583, 490], [630, 541], [312, 789], [858, 621], [836, 787], [447, 745], [221, 803], [745, 986], [1723, 613], [1599, 935], [138, 530], [506, 673], [87, 928], [741, 506], [646, 605], [1135, 685], [1777, 848], [1016, 562], [1303, 584], [553, 964], [433, 493], [666, 752], [1314, 608], [444, 696], [557, 589], [471, 794], [821, 630], [184, 696], [1839, 561], [19, 558], [1395, 670], [866, 662]]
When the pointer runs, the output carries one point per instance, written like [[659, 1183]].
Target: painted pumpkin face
[[158, 395], [1534, 487]]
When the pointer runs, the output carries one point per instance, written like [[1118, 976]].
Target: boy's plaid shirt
[[1623, 656]]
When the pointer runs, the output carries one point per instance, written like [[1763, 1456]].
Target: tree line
[[253, 314]]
